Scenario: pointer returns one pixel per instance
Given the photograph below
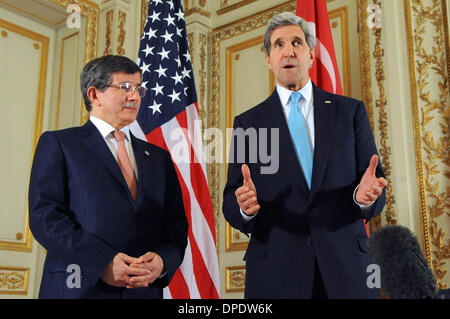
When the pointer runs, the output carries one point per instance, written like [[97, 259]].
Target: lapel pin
[[147, 153], [327, 101]]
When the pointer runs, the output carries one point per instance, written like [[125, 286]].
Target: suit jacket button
[[309, 240]]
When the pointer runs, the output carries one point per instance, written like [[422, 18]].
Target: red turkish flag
[[324, 72]]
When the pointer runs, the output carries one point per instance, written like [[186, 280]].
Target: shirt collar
[[105, 128], [285, 94]]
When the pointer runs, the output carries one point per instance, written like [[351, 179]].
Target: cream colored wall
[[379, 66]]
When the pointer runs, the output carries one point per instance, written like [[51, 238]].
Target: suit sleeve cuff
[[246, 217]]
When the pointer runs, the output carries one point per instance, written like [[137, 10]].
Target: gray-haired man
[[306, 221]]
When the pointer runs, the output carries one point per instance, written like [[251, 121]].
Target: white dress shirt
[[106, 130]]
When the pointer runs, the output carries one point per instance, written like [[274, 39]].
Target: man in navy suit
[[106, 237], [308, 238]]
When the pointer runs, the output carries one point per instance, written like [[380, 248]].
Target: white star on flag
[[177, 78], [188, 56], [180, 15], [155, 107], [151, 34], [186, 73], [174, 96], [155, 16], [169, 20], [167, 37], [148, 50], [161, 71], [158, 89], [145, 68], [164, 54]]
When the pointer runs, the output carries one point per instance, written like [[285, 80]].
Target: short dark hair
[[98, 73]]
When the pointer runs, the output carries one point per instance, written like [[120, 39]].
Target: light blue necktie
[[299, 133]]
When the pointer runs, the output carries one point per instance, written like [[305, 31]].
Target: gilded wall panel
[[14, 280], [68, 95], [375, 98], [382, 132], [235, 279], [340, 33], [428, 51], [91, 11], [23, 126]]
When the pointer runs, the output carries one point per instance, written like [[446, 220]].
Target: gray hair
[[284, 19]]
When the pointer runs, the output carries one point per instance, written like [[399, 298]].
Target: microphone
[[404, 270]]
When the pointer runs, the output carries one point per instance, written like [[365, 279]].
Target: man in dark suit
[[308, 238], [105, 205]]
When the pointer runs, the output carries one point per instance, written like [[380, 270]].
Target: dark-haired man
[[105, 205]]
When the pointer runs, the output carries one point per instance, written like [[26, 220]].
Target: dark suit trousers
[[318, 286]]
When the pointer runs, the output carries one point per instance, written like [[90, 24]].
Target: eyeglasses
[[127, 88]]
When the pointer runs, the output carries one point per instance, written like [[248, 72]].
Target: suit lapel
[[140, 155], [324, 126], [96, 144]]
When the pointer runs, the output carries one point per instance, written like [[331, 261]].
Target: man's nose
[[133, 95], [288, 51]]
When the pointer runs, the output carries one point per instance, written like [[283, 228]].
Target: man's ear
[[268, 61], [92, 95], [312, 55]]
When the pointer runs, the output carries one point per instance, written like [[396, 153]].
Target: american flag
[[168, 118]]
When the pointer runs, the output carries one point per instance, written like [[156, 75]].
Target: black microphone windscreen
[[405, 273]]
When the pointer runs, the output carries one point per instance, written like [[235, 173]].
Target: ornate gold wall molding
[[197, 10], [190, 38], [121, 36], [381, 103], [341, 14], [202, 76], [60, 81], [225, 8], [14, 280], [91, 11], [364, 59], [144, 13], [235, 278], [428, 54], [109, 21]]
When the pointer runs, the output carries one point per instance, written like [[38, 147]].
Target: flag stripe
[[186, 121], [179, 288], [200, 228]]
